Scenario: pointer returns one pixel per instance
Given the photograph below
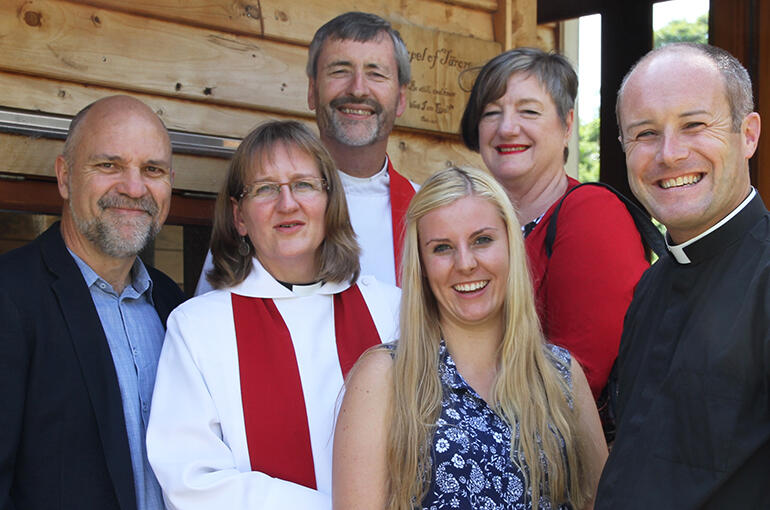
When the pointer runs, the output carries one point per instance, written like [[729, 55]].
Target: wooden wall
[[221, 67]]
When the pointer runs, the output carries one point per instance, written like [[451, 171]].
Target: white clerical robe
[[196, 438]]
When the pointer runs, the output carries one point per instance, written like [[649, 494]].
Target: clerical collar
[[302, 290], [381, 174], [683, 255]]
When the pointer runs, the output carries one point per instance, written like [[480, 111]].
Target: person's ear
[[311, 93], [750, 128], [401, 107], [238, 221], [62, 176]]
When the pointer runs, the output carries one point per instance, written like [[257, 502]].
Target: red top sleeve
[[583, 291]]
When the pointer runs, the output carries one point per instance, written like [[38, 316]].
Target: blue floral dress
[[471, 462]]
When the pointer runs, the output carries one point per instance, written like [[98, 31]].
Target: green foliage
[[588, 164], [683, 31]]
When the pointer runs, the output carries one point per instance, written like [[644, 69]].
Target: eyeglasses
[[266, 191]]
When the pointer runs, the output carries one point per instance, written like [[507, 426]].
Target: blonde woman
[[471, 408]]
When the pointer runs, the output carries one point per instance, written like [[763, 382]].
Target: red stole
[[401, 192], [274, 412]]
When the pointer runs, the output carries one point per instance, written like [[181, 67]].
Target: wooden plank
[[487, 5], [762, 88], [42, 196], [435, 100], [415, 155], [55, 39], [234, 16], [503, 24], [548, 36], [742, 27], [30, 196], [190, 210], [67, 98], [169, 238], [71, 42], [298, 21], [418, 157], [35, 156], [515, 23], [170, 262], [524, 22]]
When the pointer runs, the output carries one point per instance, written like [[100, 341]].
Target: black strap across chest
[[651, 236]]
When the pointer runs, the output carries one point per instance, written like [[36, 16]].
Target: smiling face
[[355, 92], [286, 232], [117, 180], [685, 162], [521, 137], [464, 253]]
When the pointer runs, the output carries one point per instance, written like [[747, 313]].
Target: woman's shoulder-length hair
[[552, 70], [339, 251]]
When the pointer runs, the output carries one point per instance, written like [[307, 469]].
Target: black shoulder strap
[[651, 236]]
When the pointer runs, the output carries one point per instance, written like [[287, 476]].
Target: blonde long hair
[[528, 390]]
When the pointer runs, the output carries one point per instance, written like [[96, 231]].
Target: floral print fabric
[[471, 462]]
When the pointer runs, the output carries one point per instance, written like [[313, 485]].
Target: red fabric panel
[[401, 192], [353, 327], [274, 412]]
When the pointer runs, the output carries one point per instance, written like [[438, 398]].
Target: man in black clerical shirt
[[693, 373]]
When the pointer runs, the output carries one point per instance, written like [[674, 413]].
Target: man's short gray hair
[[736, 79], [360, 27]]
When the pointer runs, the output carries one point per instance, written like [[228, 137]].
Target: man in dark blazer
[[81, 320]]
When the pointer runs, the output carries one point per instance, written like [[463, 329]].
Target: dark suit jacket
[[63, 442]]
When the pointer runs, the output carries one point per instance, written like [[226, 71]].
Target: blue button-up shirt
[[135, 335]]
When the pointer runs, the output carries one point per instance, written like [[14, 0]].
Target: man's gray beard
[[349, 132], [108, 238], [330, 125]]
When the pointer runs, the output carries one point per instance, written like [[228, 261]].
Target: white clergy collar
[[678, 251], [260, 283], [377, 182]]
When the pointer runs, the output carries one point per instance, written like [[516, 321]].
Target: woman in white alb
[[248, 380]]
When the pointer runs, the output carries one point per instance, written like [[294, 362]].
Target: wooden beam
[[55, 39], [186, 210], [503, 22], [67, 98], [487, 5], [297, 21], [416, 156], [626, 37], [42, 196], [524, 20], [742, 27], [762, 90], [560, 10], [30, 196], [25, 155]]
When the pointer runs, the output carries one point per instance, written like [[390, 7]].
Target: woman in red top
[[519, 117]]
